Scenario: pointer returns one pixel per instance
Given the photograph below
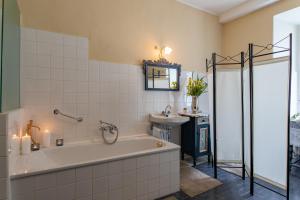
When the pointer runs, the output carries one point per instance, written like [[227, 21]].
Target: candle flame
[[14, 136]]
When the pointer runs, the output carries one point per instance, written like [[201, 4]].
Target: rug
[[193, 182]]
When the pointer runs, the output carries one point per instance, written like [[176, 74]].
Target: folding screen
[[264, 88]]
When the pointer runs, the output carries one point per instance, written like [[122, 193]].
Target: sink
[[171, 119]]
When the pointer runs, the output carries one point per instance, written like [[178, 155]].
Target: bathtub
[[133, 168]]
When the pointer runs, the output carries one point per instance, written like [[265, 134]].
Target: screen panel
[[229, 124], [270, 121]]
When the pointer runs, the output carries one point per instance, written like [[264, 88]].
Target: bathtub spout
[[111, 128]]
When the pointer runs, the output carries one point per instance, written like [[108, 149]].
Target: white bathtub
[[134, 167]]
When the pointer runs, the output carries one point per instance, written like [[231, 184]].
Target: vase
[[195, 106]]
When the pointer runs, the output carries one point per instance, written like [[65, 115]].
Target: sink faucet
[[167, 110], [29, 127]]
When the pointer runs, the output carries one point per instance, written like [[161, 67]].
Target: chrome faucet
[[112, 129], [104, 126], [167, 111]]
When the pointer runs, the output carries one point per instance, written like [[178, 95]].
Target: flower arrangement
[[196, 87]]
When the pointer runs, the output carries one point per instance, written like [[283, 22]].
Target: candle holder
[[35, 146], [59, 142]]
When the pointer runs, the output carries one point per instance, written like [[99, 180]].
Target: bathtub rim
[[168, 147]]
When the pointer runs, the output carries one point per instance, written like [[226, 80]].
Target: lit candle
[[46, 138], [15, 144], [26, 144]]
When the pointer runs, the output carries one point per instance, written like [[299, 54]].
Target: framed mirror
[[162, 75]]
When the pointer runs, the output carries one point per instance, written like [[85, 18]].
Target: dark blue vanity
[[195, 137]]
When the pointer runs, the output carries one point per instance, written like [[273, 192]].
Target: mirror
[[161, 75]]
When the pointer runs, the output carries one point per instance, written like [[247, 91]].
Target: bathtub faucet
[[112, 129], [105, 126]]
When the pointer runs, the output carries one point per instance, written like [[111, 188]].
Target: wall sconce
[[163, 51]]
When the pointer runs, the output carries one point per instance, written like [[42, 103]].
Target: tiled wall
[[56, 73], [3, 158], [10, 123], [146, 177]]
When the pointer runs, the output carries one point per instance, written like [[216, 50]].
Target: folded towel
[[160, 133], [156, 132]]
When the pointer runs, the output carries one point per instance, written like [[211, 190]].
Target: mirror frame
[[163, 63]]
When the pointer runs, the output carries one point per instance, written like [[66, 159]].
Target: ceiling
[[216, 7]]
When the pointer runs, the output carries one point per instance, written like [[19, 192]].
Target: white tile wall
[[10, 124], [4, 174], [3, 188], [147, 177], [56, 73]]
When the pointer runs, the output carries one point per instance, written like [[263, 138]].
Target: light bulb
[[168, 50]]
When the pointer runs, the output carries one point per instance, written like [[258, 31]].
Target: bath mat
[[193, 182]]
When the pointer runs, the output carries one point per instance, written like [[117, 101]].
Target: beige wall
[[126, 31], [256, 27]]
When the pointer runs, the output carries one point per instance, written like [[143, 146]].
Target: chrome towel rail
[[58, 112]]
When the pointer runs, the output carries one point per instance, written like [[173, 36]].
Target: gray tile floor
[[234, 188]]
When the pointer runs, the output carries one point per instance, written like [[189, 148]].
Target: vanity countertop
[[193, 115]]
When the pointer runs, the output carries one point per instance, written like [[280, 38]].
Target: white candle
[[15, 144], [26, 144], [46, 137]]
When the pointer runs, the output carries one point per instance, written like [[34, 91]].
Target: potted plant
[[195, 88]]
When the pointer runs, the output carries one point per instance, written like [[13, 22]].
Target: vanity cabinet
[[195, 138]]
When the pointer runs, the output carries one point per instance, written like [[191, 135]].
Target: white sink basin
[[172, 119]]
